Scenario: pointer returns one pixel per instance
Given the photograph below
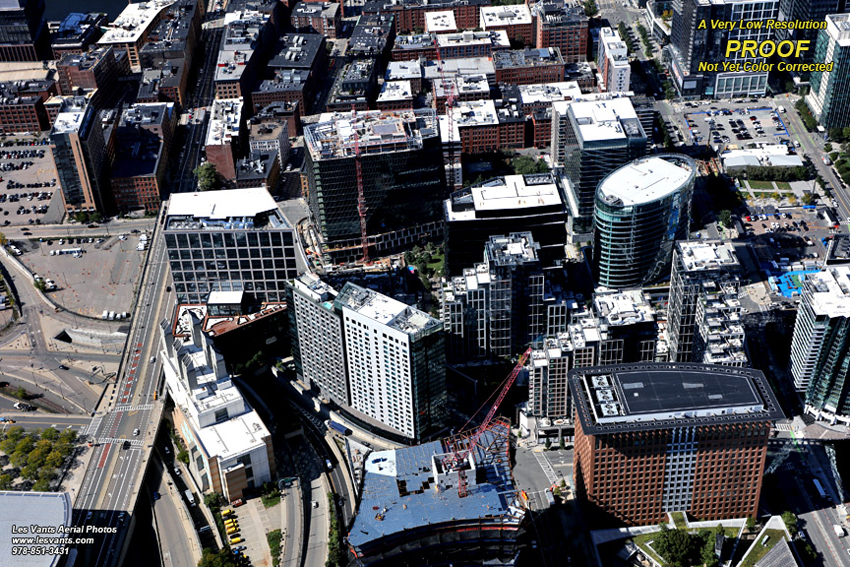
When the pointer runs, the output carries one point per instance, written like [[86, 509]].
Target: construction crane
[[361, 198], [451, 96], [457, 458]]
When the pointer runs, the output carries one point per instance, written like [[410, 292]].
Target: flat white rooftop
[[623, 308], [496, 38], [831, 291], [225, 117], [475, 113], [225, 297], [396, 90], [643, 181], [403, 70], [228, 203], [48, 509], [700, 255], [68, 121], [515, 194], [602, 120], [133, 21], [440, 22], [236, 436], [498, 16], [838, 27], [537, 94]]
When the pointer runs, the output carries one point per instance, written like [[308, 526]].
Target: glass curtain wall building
[[234, 240], [829, 98], [642, 208]]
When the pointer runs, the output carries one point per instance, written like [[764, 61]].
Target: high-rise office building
[[502, 205], [590, 139], [829, 98], [23, 32], [642, 208], [395, 360], [79, 152], [615, 71], [805, 11], [316, 334], [496, 307], [401, 165], [693, 44], [820, 349], [658, 438], [232, 240], [704, 313]]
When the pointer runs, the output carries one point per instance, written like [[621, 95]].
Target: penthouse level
[[452, 45], [410, 14]]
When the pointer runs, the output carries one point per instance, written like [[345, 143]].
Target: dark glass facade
[[257, 262]]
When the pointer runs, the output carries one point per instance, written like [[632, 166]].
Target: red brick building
[[564, 27], [485, 127], [657, 438], [313, 17], [22, 106], [410, 14], [95, 69], [529, 66], [138, 172], [514, 19]]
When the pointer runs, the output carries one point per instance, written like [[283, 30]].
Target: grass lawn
[[783, 185], [274, 546], [642, 540], [759, 550], [436, 263], [270, 500], [761, 185], [679, 520]]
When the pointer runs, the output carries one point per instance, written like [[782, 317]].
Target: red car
[[237, 503]]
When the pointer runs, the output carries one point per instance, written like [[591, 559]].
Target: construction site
[[452, 501], [396, 162]]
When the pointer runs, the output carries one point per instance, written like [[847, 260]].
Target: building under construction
[[417, 509], [400, 173]]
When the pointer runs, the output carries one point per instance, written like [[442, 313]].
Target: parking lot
[[92, 275], [29, 193], [721, 124]]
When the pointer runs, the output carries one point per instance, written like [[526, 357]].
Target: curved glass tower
[[641, 209]]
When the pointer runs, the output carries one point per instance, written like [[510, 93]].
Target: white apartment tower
[[613, 62], [317, 337], [395, 361]]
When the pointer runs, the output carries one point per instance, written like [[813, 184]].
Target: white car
[[136, 432]]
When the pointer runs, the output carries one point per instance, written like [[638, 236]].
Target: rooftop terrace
[[377, 132]]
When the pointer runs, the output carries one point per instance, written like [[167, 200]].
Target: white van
[[105, 315], [111, 315]]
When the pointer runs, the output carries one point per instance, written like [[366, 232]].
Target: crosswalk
[[91, 430], [132, 442], [547, 468], [128, 407]]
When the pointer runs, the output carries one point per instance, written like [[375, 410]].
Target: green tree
[[183, 456], [675, 546], [524, 165], [15, 433], [40, 285], [68, 436], [41, 485], [751, 524], [725, 218], [5, 482], [213, 500], [54, 459], [3, 240], [30, 471], [590, 8], [20, 393], [221, 558], [808, 198], [208, 177], [790, 522], [51, 434], [548, 444], [827, 147]]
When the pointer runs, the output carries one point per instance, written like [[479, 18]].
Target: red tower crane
[[361, 198], [451, 96], [456, 459]]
